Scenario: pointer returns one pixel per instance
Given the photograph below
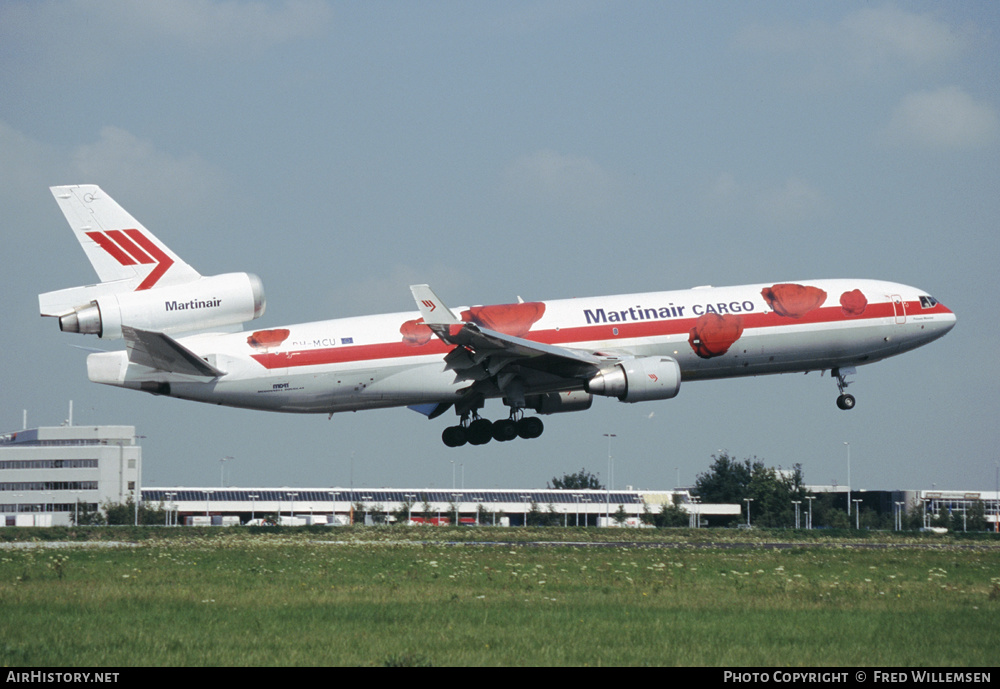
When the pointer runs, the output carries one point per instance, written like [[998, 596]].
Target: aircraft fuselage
[[369, 362]]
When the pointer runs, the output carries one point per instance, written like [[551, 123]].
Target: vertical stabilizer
[[118, 246]]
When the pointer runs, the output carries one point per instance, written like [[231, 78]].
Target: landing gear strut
[[844, 401]]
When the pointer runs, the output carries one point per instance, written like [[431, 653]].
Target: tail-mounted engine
[[207, 302], [639, 380]]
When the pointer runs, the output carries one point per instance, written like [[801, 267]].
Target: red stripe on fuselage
[[588, 333]]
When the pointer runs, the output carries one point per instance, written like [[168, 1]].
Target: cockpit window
[[928, 302]]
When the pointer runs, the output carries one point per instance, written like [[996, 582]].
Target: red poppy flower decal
[[853, 303], [510, 319], [793, 301], [713, 335], [262, 339], [415, 333]]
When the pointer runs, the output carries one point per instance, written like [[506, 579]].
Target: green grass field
[[185, 597]]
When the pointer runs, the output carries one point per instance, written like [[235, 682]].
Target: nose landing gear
[[845, 401]]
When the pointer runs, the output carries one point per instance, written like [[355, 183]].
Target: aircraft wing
[[490, 350], [162, 352]]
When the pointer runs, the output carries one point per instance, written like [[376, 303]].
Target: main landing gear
[[481, 431], [844, 401]]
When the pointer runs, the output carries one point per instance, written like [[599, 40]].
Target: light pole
[[607, 505], [810, 498], [748, 501], [848, 478], [796, 503], [333, 509], [478, 499], [222, 471], [170, 500], [525, 498], [208, 494], [410, 497]]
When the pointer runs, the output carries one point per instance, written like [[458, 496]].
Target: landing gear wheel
[[454, 436], [530, 427], [845, 401], [504, 430], [480, 432]]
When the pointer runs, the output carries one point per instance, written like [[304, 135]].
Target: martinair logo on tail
[[132, 247]]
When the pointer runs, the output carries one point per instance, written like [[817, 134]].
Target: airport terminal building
[[484, 507], [48, 474]]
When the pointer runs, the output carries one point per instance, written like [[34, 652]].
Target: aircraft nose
[[950, 315], [944, 320], [950, 320]]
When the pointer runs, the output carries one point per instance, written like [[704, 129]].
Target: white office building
[[48, 473]]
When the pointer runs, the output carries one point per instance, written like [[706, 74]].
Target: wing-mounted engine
[[638, 380], [218, 301]]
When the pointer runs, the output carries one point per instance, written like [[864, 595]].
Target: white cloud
[[888, 33], [80, 37], [788, 203], [549, 177], [947, 118], [864, 44], [24, 163], [129, 163], [128, 167], [794, 201]]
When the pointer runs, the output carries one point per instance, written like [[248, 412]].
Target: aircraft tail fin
[[121, 250], [143, 283]]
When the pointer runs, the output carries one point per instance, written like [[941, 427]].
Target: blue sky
[[343, 151]]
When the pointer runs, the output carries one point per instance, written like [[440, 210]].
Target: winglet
[[432, 309]]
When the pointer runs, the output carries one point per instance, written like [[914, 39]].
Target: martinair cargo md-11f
[[183, 338]]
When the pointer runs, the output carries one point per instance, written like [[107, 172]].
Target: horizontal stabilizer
[[65, 301], [164, 353]]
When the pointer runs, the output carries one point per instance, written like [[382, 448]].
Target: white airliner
[[183, 338]]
